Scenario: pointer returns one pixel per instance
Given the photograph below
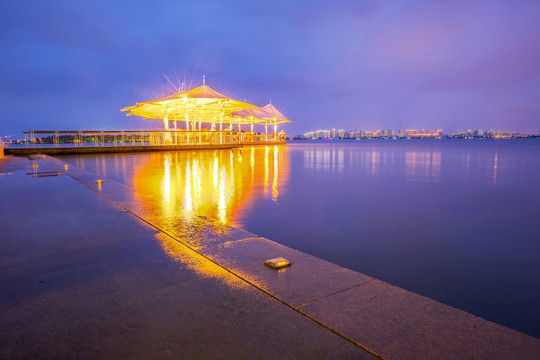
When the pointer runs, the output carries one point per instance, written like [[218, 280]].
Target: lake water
[[455, 220]]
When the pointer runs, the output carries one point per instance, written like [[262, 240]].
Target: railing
[[145, 138]]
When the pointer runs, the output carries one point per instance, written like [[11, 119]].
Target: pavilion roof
[[274, 113], [202, 100], [256, 113]]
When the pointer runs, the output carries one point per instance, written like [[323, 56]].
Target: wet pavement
[[82, 278], [87, 271]]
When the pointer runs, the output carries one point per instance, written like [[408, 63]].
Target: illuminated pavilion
[[204, 105]]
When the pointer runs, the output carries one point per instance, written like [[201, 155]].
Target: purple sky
[[71, 65]]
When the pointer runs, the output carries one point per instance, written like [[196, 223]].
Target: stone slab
[[307, 279], [402, 325]]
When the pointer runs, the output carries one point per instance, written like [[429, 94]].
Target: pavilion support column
[[167, 135], [166, 123], [275, 130], [175, 133], [187, 129], [221, 128], [239, 132], [200, 121], [265, 131]]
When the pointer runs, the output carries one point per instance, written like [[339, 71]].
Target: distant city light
[[409, 134]]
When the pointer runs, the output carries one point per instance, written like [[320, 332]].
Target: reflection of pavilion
[[201, 110], [219, 184]]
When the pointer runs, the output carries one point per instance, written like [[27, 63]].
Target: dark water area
[[457, 221]]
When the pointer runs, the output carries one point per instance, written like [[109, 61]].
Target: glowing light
[[277, 263]]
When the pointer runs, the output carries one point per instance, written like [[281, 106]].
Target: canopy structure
[[268, 114], [251, 116], [199, 105], [205, 105], [277, 116]]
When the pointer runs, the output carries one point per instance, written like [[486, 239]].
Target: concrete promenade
[[87, 271]]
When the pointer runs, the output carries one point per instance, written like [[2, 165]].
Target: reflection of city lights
[[423, 165], [375, 155], [495, 165]]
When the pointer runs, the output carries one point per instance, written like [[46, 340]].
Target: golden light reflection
[[217, 184], [197, 263], [275, 191], [252, 163], [166, 180], [188, 200], [221, 202], [266, 151]]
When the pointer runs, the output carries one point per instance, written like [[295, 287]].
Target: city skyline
[[409, 133]]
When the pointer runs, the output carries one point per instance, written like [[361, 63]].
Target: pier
[[86, 272], [102, 142]]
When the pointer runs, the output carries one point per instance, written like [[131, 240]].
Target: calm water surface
[[455, 220]]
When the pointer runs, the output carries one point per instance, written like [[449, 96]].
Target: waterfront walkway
[[86, 271]]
